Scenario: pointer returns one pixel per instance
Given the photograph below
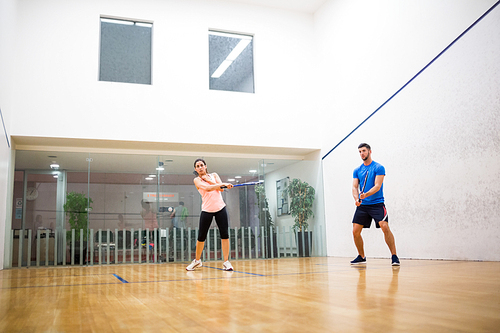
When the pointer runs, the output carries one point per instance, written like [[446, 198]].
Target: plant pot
[[303, 238]]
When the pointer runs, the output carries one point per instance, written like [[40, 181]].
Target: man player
[[369, 176]]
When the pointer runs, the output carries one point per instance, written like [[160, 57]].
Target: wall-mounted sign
[[19, 208], [164, 197]]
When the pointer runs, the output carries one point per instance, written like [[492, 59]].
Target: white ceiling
[[306, 6]]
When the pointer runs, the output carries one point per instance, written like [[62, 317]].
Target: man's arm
[[355, 191], [378, 184]]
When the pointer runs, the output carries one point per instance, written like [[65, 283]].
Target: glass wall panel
[[41, 195], [35, 217], [78, 205], [145, 208], [290, 242]]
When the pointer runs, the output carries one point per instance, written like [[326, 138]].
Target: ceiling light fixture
[[54, 165]]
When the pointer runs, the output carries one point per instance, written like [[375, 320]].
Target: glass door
[[41, 219]]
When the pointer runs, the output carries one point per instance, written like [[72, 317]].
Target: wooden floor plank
[[285, 295]]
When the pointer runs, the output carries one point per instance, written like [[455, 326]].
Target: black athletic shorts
[[365, 213]]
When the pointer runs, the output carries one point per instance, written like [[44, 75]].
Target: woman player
[[210, 187]]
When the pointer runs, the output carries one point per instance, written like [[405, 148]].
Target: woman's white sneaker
[[227, 266], [195, 263]]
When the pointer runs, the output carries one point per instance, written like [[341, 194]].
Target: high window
[[125, 53], [231, 62]]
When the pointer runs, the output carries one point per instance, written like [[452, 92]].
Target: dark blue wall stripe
[[423, 69], [4, 129]]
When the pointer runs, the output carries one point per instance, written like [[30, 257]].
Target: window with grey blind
[[230, 61], [125, 53]]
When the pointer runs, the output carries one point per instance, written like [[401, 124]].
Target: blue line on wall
[[4, 129], [423, 69]]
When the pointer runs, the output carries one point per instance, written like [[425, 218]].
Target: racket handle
[[223, 186]]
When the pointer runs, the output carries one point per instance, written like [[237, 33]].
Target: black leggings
[[206, 220]]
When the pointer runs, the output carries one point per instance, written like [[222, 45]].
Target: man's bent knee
[[384, 226]]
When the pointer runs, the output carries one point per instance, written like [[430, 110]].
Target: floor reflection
[[376, 304]]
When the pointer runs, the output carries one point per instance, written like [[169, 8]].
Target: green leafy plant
[[265, 218], [301, 202], [76, 208]]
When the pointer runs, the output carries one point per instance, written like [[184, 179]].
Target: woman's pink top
[[211, 200]]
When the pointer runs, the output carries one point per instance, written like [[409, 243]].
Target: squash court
[[323, 294], [107, 105]]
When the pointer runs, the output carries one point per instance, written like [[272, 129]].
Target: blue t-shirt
[[374, 169]]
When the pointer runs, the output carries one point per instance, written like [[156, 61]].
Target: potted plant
[[76, 207], [265, 219], [301, 202]]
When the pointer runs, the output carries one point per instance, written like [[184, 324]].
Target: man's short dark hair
[[361, 145]]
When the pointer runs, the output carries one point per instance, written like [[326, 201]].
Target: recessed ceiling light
[[160, 168], [230, 180], [54, 166], [152, 176], [237, 177], [252, 171], [149, 178]]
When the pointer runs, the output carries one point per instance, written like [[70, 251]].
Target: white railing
[[105, 247]]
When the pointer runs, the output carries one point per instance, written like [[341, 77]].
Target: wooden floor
[[286, 295]]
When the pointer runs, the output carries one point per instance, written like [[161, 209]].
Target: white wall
[[318, 76], [438, 139], [58, 93], [7, 42]]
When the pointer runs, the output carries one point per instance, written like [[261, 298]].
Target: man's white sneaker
[[227, 266], [195, 263]]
